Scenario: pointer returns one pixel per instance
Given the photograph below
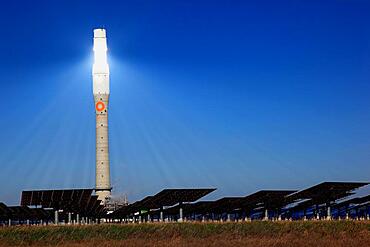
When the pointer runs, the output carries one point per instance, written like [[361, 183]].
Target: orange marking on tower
[[100, 106]]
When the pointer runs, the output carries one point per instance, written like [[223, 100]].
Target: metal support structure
[[161, 215], [266, 214], [317, 212], [56, 217], [180, 213], [69, 218], [328, 211], [77, 219], [278, 213]]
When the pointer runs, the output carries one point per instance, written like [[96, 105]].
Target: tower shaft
[[103, 186], [101, 99]]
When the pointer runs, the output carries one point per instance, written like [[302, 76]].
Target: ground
[[258, 233]]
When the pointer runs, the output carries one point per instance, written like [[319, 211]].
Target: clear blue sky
[[228, 94]]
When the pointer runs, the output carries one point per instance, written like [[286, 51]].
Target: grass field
[[258, 233]]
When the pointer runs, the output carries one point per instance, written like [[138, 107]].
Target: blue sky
[[236, 95]]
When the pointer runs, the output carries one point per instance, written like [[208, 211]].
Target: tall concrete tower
[[100, 73]]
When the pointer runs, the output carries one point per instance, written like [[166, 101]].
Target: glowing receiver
[[100, 67]]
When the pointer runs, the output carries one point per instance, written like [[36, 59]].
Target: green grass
[[56, 234]]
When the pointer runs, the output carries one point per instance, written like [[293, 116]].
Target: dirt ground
[[266, 235], [362, 240]]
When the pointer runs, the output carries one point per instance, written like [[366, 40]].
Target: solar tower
[[100, 73]]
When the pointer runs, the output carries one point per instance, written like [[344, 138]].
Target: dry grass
[[254, 234]]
